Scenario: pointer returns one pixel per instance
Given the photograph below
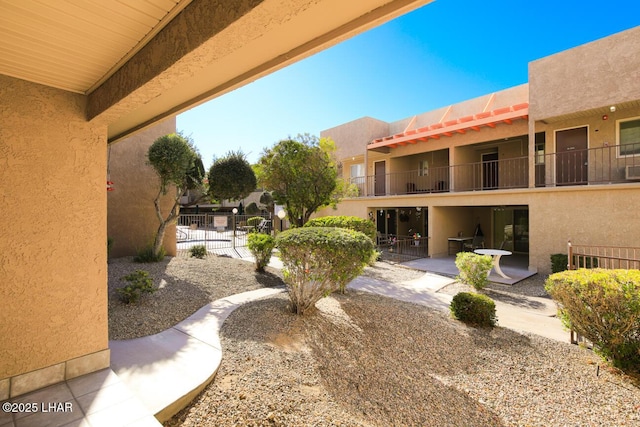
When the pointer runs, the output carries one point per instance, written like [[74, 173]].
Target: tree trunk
[[173, 214], [157, 242]]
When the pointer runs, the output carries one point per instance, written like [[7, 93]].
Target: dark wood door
[[572, 163], [380, 178]]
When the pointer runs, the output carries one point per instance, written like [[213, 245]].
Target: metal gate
[[222, 234]]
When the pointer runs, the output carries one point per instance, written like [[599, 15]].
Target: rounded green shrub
[[139, 283], [198, 251], [475, 309], [321, 260], [261, 246], [252, 209], [254, 221], [604, 307], [559, 262], [147, 255], [474, 269], [350, 222]]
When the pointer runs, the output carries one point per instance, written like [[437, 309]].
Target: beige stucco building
[[72, 82], [131, 215], [534, 165]]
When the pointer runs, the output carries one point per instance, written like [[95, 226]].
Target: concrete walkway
[[167, 370], [516, 312], [160, 374]]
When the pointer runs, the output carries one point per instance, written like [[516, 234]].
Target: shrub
[[109, 245], [198, 251], [350, 222], [146, 255], [585, 261], [475, 309], [261, 246], [559, 262], [320, 260], [474, 269], [252, 209], [139, 283], [604, 307], [254, 221]]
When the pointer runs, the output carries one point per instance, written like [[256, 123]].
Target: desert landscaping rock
[[366, 360]]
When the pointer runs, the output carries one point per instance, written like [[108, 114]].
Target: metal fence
[[223, 234], [610, 257], [403, 248]]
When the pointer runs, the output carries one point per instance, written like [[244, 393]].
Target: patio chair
[[476, 243], [264, 226]]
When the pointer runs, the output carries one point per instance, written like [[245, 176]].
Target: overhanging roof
[[142, 61], [75, 46], [462, 125]]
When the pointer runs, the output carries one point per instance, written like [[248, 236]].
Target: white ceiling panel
[[76, 44]]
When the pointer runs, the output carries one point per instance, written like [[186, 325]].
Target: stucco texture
[[132, 221], [600, 73], [590, 215], [53, 212]]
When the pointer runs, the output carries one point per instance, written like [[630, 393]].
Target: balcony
[[600, 165]]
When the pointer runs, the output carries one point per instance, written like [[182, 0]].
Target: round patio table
[[496, 254]]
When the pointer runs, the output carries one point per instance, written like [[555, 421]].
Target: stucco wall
[[593, 75], [598, 215], [351, 138], [132, 221], [589, 215], [53, 254]]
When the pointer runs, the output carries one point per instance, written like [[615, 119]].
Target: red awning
[[449, 128]]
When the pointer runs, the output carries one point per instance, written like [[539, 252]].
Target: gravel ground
[[366, 360], [532, 287], [184, 286]]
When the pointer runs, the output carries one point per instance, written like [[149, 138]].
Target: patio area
[[515, 266]]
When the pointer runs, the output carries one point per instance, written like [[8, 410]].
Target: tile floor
[[94, 400]]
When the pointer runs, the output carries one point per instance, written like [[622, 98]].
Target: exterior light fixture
[[281, 214], [233, 238]]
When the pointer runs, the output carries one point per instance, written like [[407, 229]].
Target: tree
[[179, 167], [301, 174], [266, 199], [231, 177]]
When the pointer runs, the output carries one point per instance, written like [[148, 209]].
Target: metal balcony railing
[[491, 175], [602, 165], [577, 167]]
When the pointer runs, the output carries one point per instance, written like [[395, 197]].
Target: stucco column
[[532, 153], [366, 171], [452, 162]]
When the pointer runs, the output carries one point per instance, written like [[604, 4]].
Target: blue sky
[[445, 52]]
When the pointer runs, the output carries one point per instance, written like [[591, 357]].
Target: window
[[357, 171], [424, 168], [629, 137], [540, 153]]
